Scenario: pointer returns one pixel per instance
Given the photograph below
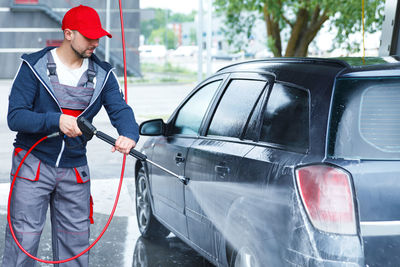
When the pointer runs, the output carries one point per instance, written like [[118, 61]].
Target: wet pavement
[[121, 245]]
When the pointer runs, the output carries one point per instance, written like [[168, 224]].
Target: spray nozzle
[[184, 180]]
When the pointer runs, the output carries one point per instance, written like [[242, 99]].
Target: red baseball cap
[[85, 20]]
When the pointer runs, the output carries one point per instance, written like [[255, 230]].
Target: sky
[[177, 6]]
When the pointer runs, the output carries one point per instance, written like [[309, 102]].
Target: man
[[52, 88]]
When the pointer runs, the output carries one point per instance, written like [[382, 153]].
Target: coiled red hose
[[120, 181]]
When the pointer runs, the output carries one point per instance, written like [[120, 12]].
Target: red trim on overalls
[[80, 181], [72, 112], [17, 150], [38, 172], [91, 211], [78, 177]]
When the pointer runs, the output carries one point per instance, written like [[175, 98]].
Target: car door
[[213, 158], [170, 151], [281, 133]]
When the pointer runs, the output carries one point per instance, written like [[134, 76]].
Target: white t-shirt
[[67, 75]]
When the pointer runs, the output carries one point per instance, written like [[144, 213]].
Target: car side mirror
[[152, 127]]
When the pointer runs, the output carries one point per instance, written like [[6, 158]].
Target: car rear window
[[365, 119]]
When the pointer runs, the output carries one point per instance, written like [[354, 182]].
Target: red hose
[[119, 186], [91, 245], [123, 51]]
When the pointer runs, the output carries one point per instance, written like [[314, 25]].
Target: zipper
[[49, 91], [60, 154]]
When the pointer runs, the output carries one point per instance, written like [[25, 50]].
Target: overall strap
[[87, 78], [52, 68], [91, 74]]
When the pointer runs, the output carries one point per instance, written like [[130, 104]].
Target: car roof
[[347, 66]]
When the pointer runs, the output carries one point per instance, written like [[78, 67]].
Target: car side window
[[286, 117], [235, 107], [190, 116]]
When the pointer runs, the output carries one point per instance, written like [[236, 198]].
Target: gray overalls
[[66, 189]]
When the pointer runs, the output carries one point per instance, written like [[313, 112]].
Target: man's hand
[[69, 126], [123, 145]]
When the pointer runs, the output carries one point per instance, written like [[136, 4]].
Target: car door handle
[[222, 171], [179, 158]]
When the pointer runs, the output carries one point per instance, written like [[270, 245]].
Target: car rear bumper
[[382, 250], [295, 258]]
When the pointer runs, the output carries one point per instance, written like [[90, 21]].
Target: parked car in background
[[264, 53], [226, 55], [152, 51], [292, 162], [185, 51]]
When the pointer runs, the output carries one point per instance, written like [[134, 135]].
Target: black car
[[291, 162]]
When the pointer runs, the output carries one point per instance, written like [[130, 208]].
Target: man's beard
[[80, 54]]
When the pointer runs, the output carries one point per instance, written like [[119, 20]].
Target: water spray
[[88, 130]]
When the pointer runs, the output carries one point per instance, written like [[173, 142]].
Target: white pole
[[209, 37], [200, 42], [107, 56]]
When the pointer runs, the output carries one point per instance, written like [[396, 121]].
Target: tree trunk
[[298, 30], [304, 31], [273, 32]]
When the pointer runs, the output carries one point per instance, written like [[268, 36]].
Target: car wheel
[[245, 256], [245, 247], [149, 226], [252, 252]]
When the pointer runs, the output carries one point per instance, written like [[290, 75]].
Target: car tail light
[[327, 196]]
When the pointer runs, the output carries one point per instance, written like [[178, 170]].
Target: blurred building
[[27, 26]]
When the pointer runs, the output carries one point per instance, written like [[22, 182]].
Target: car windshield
[[365, 119]]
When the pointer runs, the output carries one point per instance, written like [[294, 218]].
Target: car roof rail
[[309, 60]]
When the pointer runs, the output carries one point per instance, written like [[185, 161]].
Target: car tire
[[148, 225], [251, 252], [244, 255], [249, 248]]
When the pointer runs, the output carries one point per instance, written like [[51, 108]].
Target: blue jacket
[[34, 111]]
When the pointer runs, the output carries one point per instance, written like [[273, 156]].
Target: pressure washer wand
[[89, 130]]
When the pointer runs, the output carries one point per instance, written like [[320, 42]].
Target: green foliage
[[164, 72], [343, 15], [154, 29], [193, 36], [180, 18], [167, 67], [159, 21], [271, 45], [358, 61], [163, 36], [347, 20]]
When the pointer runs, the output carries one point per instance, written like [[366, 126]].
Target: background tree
[[167, 38], [155, 30], [301, 19]]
